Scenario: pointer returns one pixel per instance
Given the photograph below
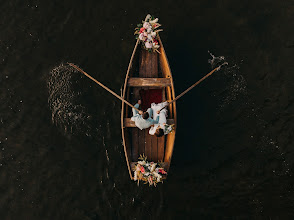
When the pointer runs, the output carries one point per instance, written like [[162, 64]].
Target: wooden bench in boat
[[130, 124], [149, 82]]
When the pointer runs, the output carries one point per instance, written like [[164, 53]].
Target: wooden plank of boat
[[149, 82], [148, 70]]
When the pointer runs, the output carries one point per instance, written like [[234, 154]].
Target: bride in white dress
[[161, 128]]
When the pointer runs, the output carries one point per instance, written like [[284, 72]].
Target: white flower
[[158, 179], [146, 174], [158, 176], [153, 34], [148, 17], [142, 37], [146, 25], [154, 21], [156, 46], [149, 30], [148, 45], [149, 37], [145, 33], [142, 162], [152, 167]]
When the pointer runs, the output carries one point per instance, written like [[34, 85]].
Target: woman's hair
[[145, 115], [159, 132]]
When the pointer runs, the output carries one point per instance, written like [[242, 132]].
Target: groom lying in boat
[[142, 119]]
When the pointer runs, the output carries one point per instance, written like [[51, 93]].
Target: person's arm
[[156, 120], [137, 106], [150, 112]]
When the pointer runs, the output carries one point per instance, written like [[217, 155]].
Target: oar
[[195, 84], [103, 86]]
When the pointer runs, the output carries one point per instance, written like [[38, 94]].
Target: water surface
[[233, 155]]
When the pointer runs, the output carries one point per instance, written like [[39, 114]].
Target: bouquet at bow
[[147, 33], [149, 172]]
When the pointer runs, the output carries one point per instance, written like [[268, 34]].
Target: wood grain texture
[[170, 95], [134, 96], [149, 82], [149, 70], [141, 138], [160, 148], [135, 143], [148, 144], [123, 113], [154, 151]]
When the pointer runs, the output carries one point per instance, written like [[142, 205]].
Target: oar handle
[[103, 86]]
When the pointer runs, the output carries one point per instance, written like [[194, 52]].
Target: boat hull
[[147, 70]]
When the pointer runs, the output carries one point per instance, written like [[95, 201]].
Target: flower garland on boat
[[147, 33], [149, 172]]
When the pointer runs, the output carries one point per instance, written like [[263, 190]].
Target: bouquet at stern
[[147, 33], [149, 172]]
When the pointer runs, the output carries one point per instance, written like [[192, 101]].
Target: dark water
[[234, 151]]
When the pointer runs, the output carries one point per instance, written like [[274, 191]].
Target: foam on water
[[215, 61], [234, 93], [236, 85], [64, 97]]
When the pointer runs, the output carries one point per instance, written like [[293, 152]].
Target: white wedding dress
[[162, 116]]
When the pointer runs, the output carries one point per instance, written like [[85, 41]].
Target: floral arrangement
[[168, 128], [149, 172], [147, 33]]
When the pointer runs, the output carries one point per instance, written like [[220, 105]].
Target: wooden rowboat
[[147, 70]]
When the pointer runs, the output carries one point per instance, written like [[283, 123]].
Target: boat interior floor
[[141, 140]]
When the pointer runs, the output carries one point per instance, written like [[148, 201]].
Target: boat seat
[[131, 124], [149, 82]]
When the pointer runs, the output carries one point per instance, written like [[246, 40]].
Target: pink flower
[[162, 171], [142, 170], [148, 44], [142, 37], [146, 25], [142, 30]]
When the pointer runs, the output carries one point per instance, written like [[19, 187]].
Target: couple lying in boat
[[153, 118]]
